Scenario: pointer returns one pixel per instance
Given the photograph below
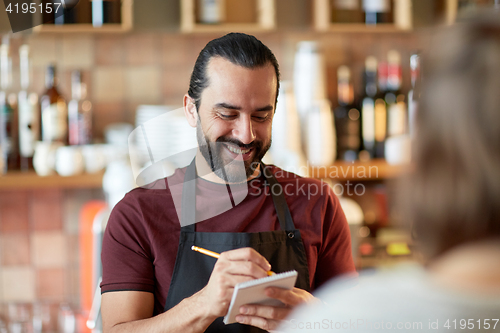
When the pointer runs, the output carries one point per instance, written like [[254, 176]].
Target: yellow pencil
[[215, 255]]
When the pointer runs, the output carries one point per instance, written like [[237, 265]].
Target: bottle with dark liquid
[[79, 112], [378, 11], [28, 116], [54, 115], [347, 116], [368, 109], [105, 11], [8, 111], [346, 11]]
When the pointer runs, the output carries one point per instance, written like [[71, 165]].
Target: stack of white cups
[[314, 109]]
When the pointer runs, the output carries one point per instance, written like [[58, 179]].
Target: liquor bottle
[[377, 11], [368, 108], [105, 11], [394, 72], [28, 116], [48, 15], [83, 12], [67, 11], [211, 11], [396, 106], [347, 120], [380, 109], [8, 111], [79, 112], [347, 11], [54, 116], [414, 93]]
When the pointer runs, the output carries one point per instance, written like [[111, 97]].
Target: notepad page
[[252, 292]]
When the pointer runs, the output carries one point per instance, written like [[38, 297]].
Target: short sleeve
[[126, 254]]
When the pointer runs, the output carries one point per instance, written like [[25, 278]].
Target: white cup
[[95, 157], [398, 149], [44, 158], [69, 161]]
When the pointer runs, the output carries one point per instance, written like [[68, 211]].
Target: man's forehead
[[218, 64], [238, 85]]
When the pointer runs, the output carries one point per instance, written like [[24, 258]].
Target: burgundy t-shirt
[[142, 235]]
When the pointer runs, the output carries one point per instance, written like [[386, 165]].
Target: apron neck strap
[[188, 204], [188, 208], [282, 210]]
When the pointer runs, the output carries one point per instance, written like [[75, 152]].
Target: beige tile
[[142, 49], [14, 211], [106, 113], [50, 284], [77, 52], [46, 210], [176, 83], [175, 51], [48, 249], [109, 50], [143, 84], [17, 284], [43, 50], [108, 84], [14, 249]]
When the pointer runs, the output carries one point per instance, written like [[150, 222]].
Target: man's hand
[[231, 268], [269, 317]]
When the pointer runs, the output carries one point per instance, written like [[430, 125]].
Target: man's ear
[[190, 111]]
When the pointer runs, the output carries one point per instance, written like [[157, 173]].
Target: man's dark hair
[[240, 49]]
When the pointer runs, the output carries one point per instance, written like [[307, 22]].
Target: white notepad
[[252, 292]]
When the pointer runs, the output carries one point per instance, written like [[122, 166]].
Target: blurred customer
[[452, 199]]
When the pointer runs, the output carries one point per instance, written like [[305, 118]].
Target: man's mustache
[[238, 143]]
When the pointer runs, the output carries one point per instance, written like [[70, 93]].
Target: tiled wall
[[39, 244], [38, 229], [123, 71]]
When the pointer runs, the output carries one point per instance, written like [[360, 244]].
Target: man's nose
[[244, 130]]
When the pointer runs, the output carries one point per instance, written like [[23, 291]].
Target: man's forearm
[[189, 316]]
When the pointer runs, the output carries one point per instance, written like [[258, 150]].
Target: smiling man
[[153, 281]]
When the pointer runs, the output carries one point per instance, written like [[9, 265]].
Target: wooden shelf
[[79, 28], [377, 169], [322, 19], [266, 20], [363, 28], [126, 25], [17, 180]]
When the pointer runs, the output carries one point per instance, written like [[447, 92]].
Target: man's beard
[[230, 170]]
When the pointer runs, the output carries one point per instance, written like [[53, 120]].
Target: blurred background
[[74, 88]]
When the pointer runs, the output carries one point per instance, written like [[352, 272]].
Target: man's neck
[[205, 172]]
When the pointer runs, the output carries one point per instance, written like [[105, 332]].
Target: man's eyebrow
[[235, 107], [227, 106]]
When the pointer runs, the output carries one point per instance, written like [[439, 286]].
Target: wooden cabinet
[[322, 20], [261, 12], [125, 25], [404, 13]]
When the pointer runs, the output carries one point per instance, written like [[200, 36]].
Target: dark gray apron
[[282, 248]]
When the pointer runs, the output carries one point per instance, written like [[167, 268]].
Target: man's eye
[[260, 118], [227, 116]]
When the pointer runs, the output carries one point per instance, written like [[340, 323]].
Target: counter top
[[17, 180]]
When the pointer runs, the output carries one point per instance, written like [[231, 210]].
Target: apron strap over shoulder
[[188, 209], [282, 210]]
